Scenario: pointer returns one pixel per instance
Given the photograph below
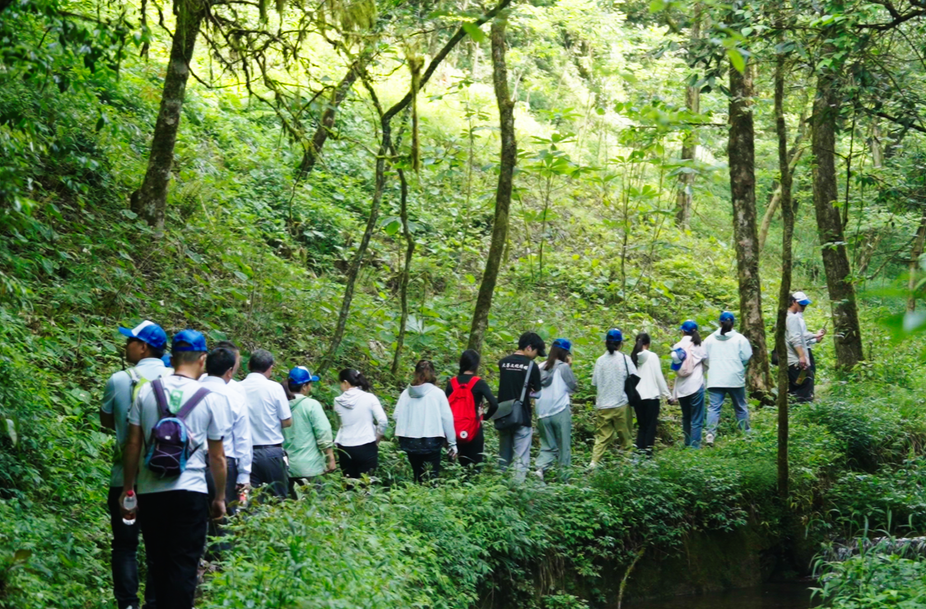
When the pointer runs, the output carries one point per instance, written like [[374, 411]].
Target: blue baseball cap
[[801, 298], [727, 316], [689, 326], [563, 343], [195, 341], [147, 332], [677, 356], [301, 375], [614, 335]]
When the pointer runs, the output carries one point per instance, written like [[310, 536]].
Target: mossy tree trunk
[[509, 158], [685, 196], [741, 150], [150, 201], [313, 147], [847, 336]]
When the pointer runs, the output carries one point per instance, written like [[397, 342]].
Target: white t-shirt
[[117, 401], [238, 435], [207, 420], [267, 406], [610, 372]]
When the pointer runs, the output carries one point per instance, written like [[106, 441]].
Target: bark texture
[[406, 273], [741, 151], [847, 336], [784, 294], [314, 147], [509, 157], [685, 196], [151, 200], [918, 245]]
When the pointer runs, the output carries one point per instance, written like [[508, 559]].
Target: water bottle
[[242, 498], [130, 503]]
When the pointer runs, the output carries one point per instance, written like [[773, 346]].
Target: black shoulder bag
[[519, 416], [630, 385]]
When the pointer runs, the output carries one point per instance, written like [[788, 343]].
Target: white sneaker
[[539, 473], [592, 465], [709, 438]]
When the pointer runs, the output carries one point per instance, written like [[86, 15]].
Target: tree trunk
[[314, 148], [742, 156], [151, 200], [685, 196], [406, 274], [509, 157], [775, 201], [918, 245], [846, 332], [784, 294]]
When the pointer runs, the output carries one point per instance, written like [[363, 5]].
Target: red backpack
[[463, 406]]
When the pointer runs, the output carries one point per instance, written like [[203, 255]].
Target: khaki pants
[[611, 422]]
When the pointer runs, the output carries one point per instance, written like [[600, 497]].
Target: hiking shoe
[[709, 439], [539, 474]]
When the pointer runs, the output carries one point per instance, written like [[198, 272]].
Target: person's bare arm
[[131, 455], [286, 423], [219, 469]]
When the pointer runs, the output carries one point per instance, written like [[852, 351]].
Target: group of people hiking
[[192, 440]]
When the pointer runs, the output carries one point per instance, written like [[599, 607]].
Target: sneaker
[[709, 439], [592, 465], [539, 474]]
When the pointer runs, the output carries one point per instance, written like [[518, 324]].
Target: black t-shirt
[[511, 371], [480, 390]]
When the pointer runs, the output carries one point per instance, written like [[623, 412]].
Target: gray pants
[[555, 440], [514, 446]]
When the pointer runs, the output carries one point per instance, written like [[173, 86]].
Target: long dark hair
[[641, 341], [469, 361], [726, 325], [354, 378], [556, 353], [424, 373], [613, 345], [288, 390], [695, 337]]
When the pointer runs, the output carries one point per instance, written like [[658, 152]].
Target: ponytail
[[354, 378], [613, 345], [641, 341], [726, 326], [695, 338]]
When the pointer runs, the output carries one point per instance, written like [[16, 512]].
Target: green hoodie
[[307, 439]]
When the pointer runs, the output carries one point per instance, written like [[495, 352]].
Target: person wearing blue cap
[[174, 506], [309, 441], [554, 414], [614, 419], [801, 364], [688, 357], [144, 349], [728, 353]]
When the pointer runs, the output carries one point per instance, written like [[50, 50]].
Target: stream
[[767, 596]]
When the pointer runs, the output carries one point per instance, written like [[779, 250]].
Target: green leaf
[[737, 60], [474, 32], [656, 5]]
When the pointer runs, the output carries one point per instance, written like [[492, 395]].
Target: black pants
[[302, 481], [217, 527], [358, 460], [804, 391], [268, 467], [471, 453], [125, 557], [647, 418], [420, 463], [174, 526]]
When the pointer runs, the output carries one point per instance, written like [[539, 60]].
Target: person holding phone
[[801, 364]]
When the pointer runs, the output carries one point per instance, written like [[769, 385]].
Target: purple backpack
[[169, 444]]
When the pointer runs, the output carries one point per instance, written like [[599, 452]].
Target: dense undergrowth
[[246, 257]]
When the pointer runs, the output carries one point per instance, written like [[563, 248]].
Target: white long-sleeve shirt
[[652, 383], [424, 412], [237, 440], [362, 417], [691, 384]]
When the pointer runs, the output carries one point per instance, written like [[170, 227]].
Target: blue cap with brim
[[678, 357], [614, 335], [689, 326], [801, 298], [195, 341], [563, 343], [301, 375], [147, 332], [727, 316]]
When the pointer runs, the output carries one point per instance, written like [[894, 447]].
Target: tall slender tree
[[685, 196], [509, 158], [742, 155]]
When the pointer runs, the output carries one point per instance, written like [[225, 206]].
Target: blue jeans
[[737, 396], [693, 417]]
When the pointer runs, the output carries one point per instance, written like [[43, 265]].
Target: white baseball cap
[[801, 298]]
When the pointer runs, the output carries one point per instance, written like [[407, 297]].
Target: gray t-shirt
[[610, 372], [117, 400], [206, 421]]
